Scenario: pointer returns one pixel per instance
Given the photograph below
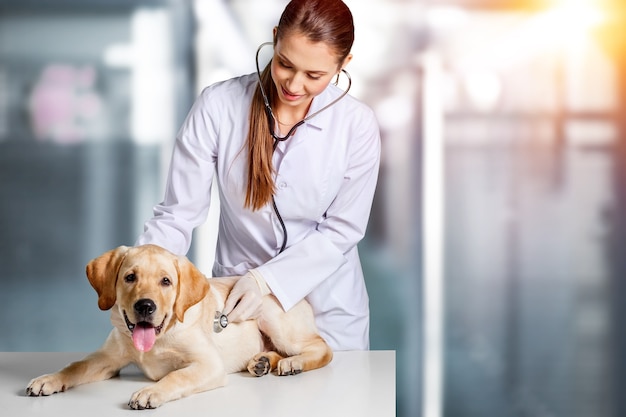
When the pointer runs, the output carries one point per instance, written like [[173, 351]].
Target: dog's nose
[[145, 307]]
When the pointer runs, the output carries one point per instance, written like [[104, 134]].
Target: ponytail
[[260, 188]]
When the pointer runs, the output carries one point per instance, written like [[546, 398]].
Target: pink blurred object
[[63, 102]]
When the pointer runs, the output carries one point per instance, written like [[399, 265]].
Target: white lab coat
[[325, 178]]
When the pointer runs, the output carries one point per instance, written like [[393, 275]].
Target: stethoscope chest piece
[[220, 321]]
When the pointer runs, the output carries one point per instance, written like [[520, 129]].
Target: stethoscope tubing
[[271, 119], [268, 108]]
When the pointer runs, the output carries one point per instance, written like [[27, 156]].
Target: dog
[[166, 320]]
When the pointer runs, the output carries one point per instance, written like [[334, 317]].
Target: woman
[[293, 207]]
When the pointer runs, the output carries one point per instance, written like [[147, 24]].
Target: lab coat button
[[282, 185]]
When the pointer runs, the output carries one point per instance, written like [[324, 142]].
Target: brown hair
[[328, 21]]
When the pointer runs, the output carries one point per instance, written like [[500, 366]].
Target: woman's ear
[[346, 61], [275, 34]]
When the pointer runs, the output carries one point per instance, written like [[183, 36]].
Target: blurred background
[[494, 256]]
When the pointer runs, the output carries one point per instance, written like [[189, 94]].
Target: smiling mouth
[[143, 333], [289, 95]]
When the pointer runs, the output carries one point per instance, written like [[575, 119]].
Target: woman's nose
[[295, 83]]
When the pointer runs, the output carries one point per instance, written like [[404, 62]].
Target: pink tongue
[[143, 338]]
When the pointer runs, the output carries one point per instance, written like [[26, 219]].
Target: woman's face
[[302, 69]]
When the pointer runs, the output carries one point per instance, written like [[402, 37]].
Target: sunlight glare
[[573, 19]]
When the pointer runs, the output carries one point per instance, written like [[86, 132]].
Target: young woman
[[296, 161]]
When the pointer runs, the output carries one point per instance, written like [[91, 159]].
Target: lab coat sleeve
[[323, 251], [188, 188]]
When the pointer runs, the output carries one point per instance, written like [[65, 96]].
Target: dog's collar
[[219, 322]]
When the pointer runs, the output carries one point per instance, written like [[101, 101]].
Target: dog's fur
[[188, 356]]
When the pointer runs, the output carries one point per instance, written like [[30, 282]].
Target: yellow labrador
[[164, 317]]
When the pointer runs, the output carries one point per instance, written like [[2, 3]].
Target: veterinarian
[[296, 162]]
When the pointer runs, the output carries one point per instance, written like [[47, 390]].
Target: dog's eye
[[130, 278], [166, 282]]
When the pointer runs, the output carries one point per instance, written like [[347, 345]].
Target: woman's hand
[[246, 298]]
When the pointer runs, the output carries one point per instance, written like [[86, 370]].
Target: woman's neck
[[289, 116]]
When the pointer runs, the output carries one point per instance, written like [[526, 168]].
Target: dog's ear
[[102, 274], [192, 287]]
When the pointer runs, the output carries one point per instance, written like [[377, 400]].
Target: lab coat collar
[[321, 120]]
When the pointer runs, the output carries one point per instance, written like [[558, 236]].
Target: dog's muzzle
[[143, 333]]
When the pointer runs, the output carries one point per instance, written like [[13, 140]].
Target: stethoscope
[[271, 120]]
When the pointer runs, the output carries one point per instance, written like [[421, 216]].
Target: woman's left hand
[[244, 301]]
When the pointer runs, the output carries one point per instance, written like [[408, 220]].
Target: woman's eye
[[314, 77], [130, 278], [166, 282]]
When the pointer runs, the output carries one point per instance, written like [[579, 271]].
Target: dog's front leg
[[197, 377], [97, 366]]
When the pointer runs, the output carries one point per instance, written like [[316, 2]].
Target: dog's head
[[150, 286]]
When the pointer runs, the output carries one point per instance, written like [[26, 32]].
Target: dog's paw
[[146, 398], [259, 366], [45, 385], [289, 366]]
